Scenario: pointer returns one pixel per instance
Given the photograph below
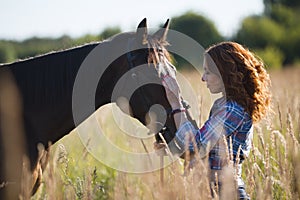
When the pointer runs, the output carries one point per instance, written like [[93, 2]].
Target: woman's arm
[[174, 97]]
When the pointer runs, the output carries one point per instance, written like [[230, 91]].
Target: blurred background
[[269, 27]]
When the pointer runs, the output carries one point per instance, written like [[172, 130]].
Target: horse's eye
[[133, 75]]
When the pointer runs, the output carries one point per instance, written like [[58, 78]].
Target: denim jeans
[[239, 183], [241, 192]]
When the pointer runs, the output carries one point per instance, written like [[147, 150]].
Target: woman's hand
[[172, 91], [174, 97], [159, 149]]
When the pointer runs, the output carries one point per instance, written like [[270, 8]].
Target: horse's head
[[149, 103], [139, 91]]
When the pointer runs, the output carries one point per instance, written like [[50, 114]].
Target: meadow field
[[272, 170]]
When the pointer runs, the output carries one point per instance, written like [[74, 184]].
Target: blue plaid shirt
[[227, 118]]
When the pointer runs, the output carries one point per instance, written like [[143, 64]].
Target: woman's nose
[[203, 78]]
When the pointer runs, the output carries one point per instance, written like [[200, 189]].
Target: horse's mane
[[156, 48], [118, 37], [46, 77]]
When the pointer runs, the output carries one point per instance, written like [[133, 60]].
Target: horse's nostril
[[133, 75]]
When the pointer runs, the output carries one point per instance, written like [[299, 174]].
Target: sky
[[53, 18]]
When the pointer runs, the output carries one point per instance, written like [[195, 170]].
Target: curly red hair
[[245, 78]]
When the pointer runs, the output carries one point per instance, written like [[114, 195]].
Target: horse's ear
[[141, 32], [161, 34]]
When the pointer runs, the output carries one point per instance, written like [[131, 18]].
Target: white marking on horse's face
[[166, 68]]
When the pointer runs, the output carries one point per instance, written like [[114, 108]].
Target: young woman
[[235, 72]]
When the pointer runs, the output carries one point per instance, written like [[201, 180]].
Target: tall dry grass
[[272, 170]]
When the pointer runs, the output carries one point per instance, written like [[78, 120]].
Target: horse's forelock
[[156, 50]]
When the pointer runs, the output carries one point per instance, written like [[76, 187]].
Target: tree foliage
[[276, 31], [283, 15], [110, 31], [272, 57], [7, 52], [13, 50], [259, 32], [287, 3], [198, 28]]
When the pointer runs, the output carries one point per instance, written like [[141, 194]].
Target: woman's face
[[213, 81]]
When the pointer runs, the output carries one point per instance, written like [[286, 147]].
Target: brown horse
[[37, 96]]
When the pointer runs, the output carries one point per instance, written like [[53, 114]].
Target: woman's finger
[[158, 146]]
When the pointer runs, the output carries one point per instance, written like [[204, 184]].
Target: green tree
[[276, 32], [290, 45], [259, 32], [110, 31], [289, 3], [198, 28], [283, 15], [86, 39], [35, 46], [286, 13], [272, 57], [7, 52]]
